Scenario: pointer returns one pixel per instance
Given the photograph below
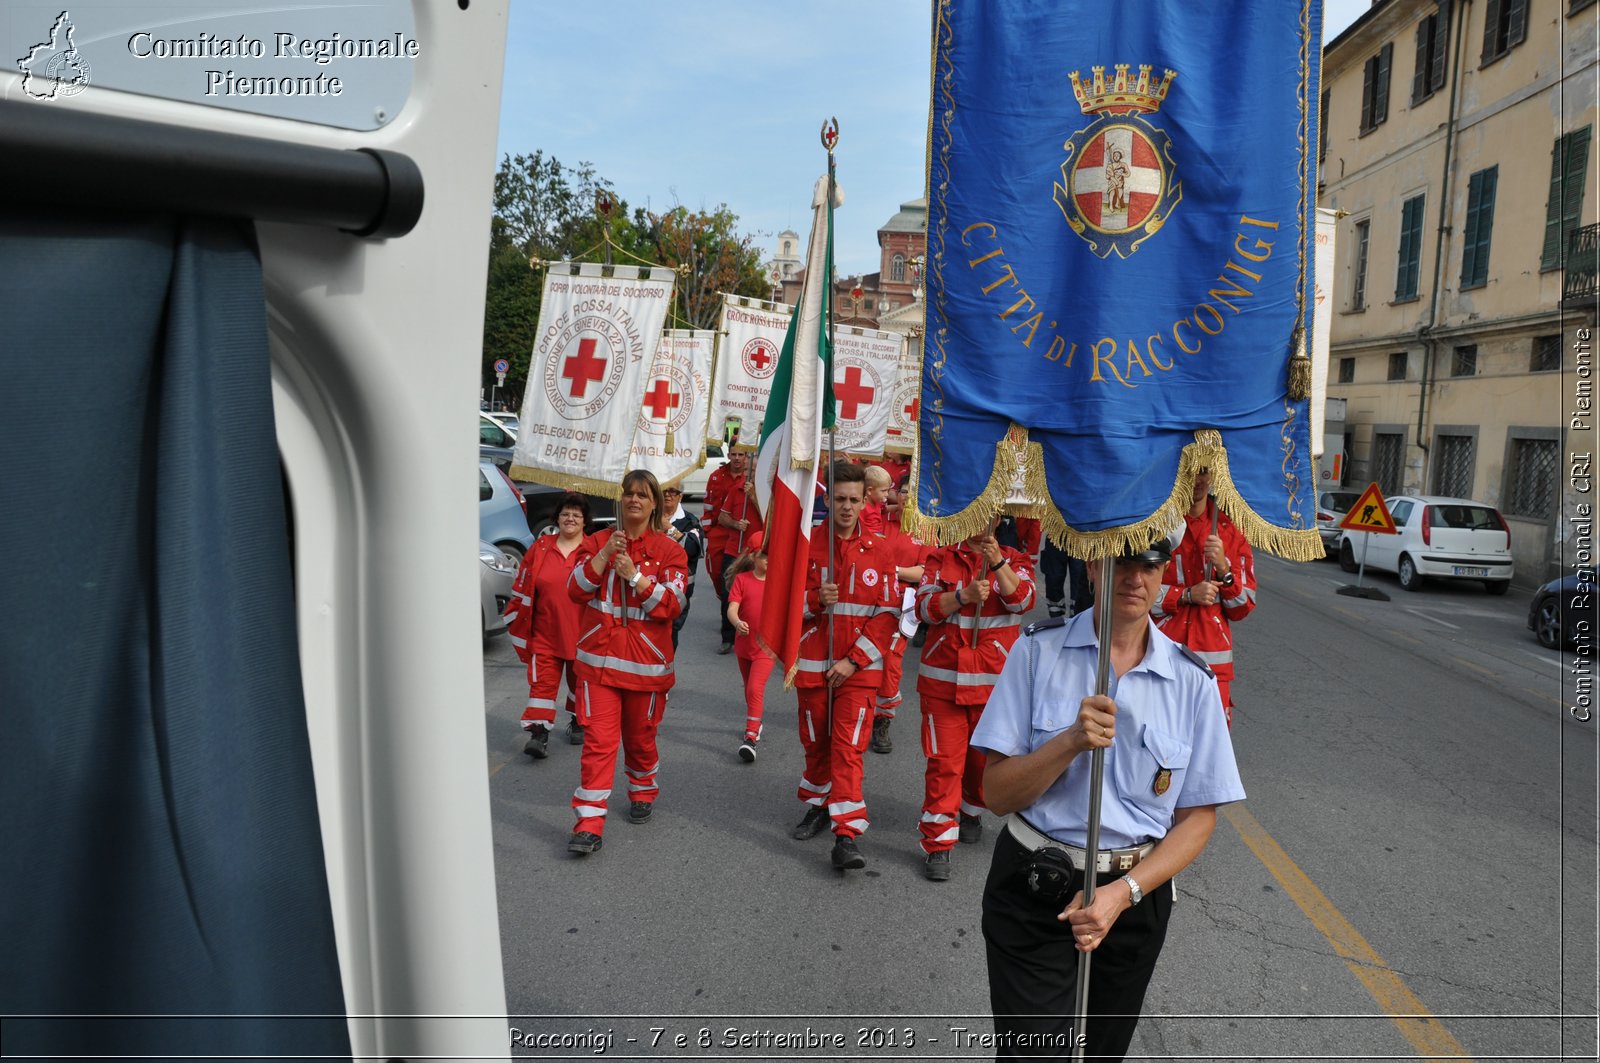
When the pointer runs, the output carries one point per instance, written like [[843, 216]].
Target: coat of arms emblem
[[1118, 183]]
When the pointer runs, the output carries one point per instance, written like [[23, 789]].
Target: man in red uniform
[[973, 596], [1198, 606], [852, 599], [909, 557], [718, 487]]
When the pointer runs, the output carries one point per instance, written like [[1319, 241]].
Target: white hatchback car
[[1439, 538]]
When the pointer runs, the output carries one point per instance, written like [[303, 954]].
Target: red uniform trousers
[[833, 760], [610, 715], [755, 671], [889, 689], [544, 682], [953, 780]]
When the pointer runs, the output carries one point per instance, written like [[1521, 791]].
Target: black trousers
[[1033, 965]]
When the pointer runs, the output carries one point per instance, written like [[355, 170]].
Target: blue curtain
[[161, 854]]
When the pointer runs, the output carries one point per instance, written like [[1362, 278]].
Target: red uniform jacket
[[952, 668], [716, 489], [739, 505], [540, 623], [867, 614], [638, 655], [1205, 628]]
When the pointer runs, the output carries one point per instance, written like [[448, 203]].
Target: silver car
[[495, 572]]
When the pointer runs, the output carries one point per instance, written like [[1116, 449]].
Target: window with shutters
[[1569, 162], [1505, 25], [1375, 90], [1531, 477], [1387, 451], [1347, 370], [1452, 465], [1409, 272], [1546, 354], [1464, 360], [1432, 33], [1358, 264], [1479, 227], [1397, 365]]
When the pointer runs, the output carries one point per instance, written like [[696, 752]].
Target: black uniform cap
[[1159, 552]]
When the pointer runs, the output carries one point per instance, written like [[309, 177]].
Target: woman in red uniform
[[631, 582], [542, 621]]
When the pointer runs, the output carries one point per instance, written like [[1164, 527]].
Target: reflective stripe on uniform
[[581, 794], [618, 664], [960, 679], [1213, 656]]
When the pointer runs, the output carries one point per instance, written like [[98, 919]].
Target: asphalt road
[[1419, 840]]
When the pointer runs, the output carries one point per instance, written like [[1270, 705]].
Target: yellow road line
[[1415, 1022], [1474, 667]]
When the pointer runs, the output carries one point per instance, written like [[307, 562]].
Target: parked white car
[[694, 485], [496, 572], [1440, 538]]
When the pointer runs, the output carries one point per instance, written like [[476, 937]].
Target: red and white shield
[[1118, 180]]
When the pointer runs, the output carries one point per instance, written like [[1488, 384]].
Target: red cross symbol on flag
[[760, 357], [910, 409], [1118, 181], [661, 400], [583, 367], [852, 393]]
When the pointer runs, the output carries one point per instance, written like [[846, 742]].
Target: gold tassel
[[1299, 369]]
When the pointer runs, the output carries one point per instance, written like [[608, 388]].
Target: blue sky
[[703, 102]]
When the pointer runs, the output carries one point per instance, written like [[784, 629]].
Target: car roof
[[1446, 500]]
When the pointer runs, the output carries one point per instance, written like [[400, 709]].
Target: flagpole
[[830, 138], [1097, 772]]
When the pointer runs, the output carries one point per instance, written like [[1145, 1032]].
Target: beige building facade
[[1457, 149]]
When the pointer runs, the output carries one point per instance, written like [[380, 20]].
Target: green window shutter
[[1441, 38], [1409, 270], [1516, 22], [1370, 69], [1419, 74], [1491, 24], [1569, 163], [1380, 100], [1480, 227]]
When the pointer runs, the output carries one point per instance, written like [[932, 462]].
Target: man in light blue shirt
[[1168, 765]]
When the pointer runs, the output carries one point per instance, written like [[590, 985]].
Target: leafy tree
[[718, 260]]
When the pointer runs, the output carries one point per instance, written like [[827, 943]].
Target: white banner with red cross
[[591, 362], [866, 367], [670, 440], [747, 357], [901, 434]]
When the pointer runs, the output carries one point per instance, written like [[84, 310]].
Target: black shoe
[[971, 829], [639, 811], [937, 866], [811, 826], [846, 857], [881, 742], [574, 732], [583, 843], [747, 751], [538, 746], [1056, 609]]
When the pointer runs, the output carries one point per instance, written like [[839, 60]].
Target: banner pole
[[1097, 771], [830, 137]]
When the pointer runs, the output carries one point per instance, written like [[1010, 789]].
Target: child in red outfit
[[749, 584]]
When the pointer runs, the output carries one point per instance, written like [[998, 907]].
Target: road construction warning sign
[[1370, 514]]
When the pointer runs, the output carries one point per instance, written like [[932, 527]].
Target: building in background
[[864, 299], [1457, 148]]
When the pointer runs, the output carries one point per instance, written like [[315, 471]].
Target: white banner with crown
[[595, 346]]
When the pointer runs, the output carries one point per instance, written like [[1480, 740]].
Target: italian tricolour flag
[[799, 409]]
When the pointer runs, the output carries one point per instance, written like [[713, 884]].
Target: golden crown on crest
[[1122, 95]]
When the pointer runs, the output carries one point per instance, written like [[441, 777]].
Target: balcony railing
[[1581, 287]]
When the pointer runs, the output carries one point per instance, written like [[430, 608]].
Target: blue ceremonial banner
[[1121, 206]]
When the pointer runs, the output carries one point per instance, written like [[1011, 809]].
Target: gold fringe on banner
[[1206, 452], [583, 485]]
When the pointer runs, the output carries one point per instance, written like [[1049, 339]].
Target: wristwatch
[[1135, 894], [638, 574], [998, 565], [1227, 581]]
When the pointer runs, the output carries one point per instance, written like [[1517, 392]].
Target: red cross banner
[[866, 367], [670, 439], [900, 437], [592, 359], [752, 335]]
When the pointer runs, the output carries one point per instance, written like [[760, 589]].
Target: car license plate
[[1467, 570]]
